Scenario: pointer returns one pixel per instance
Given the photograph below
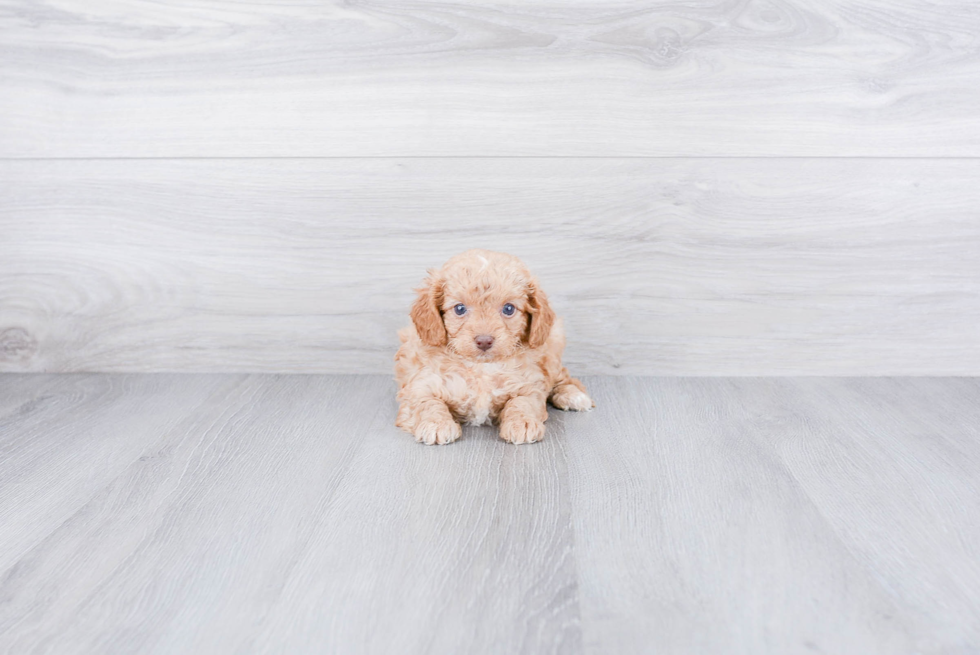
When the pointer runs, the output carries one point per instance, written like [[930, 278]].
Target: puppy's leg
[[429, 421], [569, 394], [522, 419]]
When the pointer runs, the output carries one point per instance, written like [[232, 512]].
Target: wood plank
[[287, 513], [884, 456], [676, 266], [290, 514], [211, 506], [64, 438], [692, 78], [789, 516], [459, 549]]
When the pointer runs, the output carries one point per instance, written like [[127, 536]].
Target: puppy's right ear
[[426, 315]]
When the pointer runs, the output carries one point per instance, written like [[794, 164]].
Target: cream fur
[[444, 378]]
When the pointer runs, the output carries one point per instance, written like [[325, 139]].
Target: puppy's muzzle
[[483, 342]]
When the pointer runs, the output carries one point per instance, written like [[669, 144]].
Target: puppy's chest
[[477, 394]]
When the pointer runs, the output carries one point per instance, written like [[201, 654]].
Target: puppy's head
[[482, 305]]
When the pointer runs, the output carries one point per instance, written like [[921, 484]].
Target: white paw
[[575, 400], [520, 430], [437, 432]]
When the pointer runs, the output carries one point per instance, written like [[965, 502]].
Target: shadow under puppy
[[484, 346]]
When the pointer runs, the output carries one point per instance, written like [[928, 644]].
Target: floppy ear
[[426, 315], [542, 318]]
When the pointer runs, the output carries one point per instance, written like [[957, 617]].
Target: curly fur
[[444, 377]]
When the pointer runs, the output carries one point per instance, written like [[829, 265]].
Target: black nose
[[483, 342]]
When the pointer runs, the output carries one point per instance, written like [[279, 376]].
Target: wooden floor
[[253, 513]]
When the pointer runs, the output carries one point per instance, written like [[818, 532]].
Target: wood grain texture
[[695, 77], [437, 550], [679, 266], [280, 514], [783, 516], [66, 438], [242, 513]]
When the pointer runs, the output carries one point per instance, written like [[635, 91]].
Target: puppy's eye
[[460, 309], [508, 309]]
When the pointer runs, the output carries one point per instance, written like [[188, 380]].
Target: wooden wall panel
[[202, 78], [659, 266]]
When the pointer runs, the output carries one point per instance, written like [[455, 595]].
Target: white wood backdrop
[[658, 266], [511, 77], [742, 187]]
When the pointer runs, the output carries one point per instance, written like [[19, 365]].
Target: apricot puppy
[[484, 347]]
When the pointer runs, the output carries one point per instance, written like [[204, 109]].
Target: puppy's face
[[483, 306], [484, 324]]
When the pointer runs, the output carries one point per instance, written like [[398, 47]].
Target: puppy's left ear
[[426, 315], [542, 317]]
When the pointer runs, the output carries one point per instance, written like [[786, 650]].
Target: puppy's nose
[[483, 342]]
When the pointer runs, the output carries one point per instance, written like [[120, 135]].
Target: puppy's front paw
[[438, 432], [570, 398], [521, 430]]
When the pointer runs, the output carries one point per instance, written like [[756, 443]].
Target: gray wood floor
[[250, 513]]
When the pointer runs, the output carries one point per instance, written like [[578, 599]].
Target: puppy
[[484, 346]]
